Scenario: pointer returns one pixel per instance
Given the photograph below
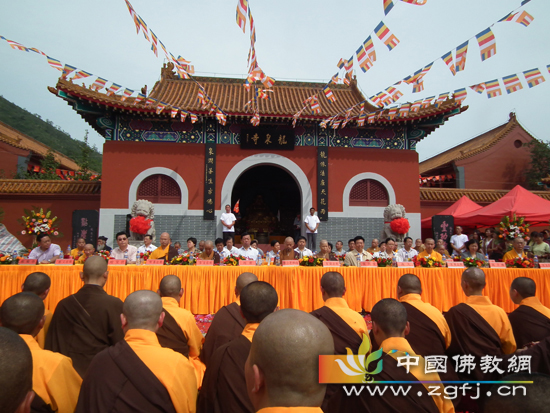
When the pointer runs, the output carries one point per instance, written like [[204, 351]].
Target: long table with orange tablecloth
[[206, 289]]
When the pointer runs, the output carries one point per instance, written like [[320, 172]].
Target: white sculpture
[[142, 222], [391, 213]]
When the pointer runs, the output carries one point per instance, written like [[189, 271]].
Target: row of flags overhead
[[255, 72], [183, 68], [492, 88], [487, 48], [100, 83]]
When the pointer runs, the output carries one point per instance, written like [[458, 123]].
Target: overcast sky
[[296, 40]]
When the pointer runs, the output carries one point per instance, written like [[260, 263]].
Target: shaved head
[[286, 349], [258, 300], [15, 370], [390, 316], [22, 312], [333, 284], [170, 286], [36, 282], [525, 287], [474, 278], [243, 280], [410, 284], [95, 268], [142, 310]]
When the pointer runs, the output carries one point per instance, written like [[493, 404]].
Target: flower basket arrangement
[[342, 257], [144, 256], [427, 262], [231, 261], [37, 221], [182, 259], [6, 259], [514, 227], [520, 263], [457, 258], [473, 262], [106, 255], [383, 262], [311, 262]]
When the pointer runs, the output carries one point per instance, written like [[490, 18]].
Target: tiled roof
[[286, 100], [32, 186], [476, 195], [472, 147], [19, 140]]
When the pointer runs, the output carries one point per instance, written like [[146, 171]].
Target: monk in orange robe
[[429, 251], [137, 374], [165, 250], [282, 369], [228, 323], [179, 330], [55, 381], [39, 283], [224, 386]]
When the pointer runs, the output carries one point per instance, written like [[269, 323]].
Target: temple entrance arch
[[259, 168]]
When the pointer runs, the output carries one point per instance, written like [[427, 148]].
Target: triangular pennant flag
[[533, 77], [512, 83], [56, 64], [369, 48], [487, 44], [139, 98], [461, 52], [459, 95], [242, 11], [126, 94], [384, 34], [388, 5], [492, 88], [98, 84], [67, 69], [448, 60], [81, 74]]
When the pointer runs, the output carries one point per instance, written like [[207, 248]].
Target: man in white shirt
[[147, 245], [124, 251], [301, 249], [228, 221], [407, 253], [312, 224], [354, 257], [46, 252], [458, 240], [246, 250], [222, 252], [229, 248]]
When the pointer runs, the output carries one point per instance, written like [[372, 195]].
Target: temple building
[[274, 171]]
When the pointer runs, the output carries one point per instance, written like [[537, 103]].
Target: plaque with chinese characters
[[209, 180], [275, 138], [85, 225], [442, 227], [322, 183]]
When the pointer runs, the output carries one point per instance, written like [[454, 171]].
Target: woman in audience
[[472, 250], [191, 246], [496, 249], [488, 241], [275, 248], [476, 235]]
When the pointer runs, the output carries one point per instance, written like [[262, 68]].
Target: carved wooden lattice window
[[368, 192], [159, 189]]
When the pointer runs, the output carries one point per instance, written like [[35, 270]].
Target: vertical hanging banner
[[322, 183], [210, 176]]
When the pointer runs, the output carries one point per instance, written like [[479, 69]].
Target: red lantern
[[400, 226]]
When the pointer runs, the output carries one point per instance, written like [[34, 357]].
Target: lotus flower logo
[[357, 365]]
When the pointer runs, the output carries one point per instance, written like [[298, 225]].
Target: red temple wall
[[123, 161]]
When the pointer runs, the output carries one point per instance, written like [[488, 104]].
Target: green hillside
[[44, 131]]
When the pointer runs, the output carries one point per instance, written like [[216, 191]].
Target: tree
[[48, 165], [540, 163], [84, 173]]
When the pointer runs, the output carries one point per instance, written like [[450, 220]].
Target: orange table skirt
[[206, 289]]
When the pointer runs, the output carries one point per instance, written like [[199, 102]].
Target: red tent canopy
[[460, 207], [518, 201]]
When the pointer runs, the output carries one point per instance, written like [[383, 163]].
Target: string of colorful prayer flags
[[487, 47]]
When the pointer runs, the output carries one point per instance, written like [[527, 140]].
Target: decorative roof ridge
[[476, 195], [36, 186]]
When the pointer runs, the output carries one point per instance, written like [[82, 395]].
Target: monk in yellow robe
[[179, 330], [39, 283], [165, 251], [150, 377], [55, 381], [429, 251], [517, 250]]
